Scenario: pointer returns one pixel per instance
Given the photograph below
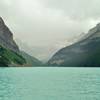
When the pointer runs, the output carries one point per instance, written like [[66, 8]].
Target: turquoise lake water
[[49, 83]]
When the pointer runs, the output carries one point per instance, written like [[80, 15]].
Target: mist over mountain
[[82, 50], [85, 52], [10, 54], [45, 52], [9, 50]]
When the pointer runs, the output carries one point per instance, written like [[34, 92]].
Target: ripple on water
[[49, 84]]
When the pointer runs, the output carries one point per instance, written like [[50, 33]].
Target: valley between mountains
[[83, 53]]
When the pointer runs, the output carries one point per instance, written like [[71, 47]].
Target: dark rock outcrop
[[6, 37], [83, 53]]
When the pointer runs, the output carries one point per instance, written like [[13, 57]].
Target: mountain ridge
[[10, 54], [82, 53], [6, 37]]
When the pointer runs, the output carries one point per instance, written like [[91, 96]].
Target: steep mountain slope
[[10, 55], [31, 61], [9, 51], [84, 53], [10, 58], [6, 37]]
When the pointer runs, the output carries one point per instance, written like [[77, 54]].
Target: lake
[[42, 83]]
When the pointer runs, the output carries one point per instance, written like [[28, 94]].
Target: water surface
[[49, 83]]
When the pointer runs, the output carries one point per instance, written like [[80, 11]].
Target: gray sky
[[49, 24]]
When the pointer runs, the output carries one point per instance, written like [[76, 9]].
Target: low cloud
[[45, 22]]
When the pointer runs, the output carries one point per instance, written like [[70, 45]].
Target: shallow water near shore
[[48, 83]]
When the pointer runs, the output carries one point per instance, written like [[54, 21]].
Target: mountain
[[9, 58], [10, 55], [31, 61], [9, 51], [83, 53], [6, 37]]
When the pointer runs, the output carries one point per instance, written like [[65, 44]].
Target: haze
[[41, 27]]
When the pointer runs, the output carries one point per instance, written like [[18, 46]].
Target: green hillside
[[10, 58], [31, 61]]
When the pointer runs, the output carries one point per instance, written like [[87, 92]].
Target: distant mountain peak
[[92, 33], [98, 24]]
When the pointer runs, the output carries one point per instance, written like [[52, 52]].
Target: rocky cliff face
[[84, 53], [6, 37], [10, 55]]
